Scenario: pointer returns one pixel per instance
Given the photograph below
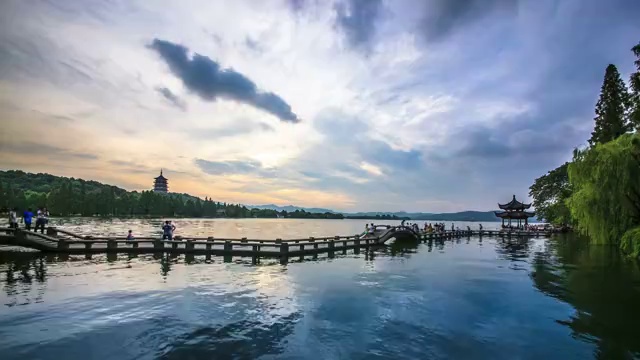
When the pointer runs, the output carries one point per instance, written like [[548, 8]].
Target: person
[[45, 213], [130, 236], [39, 220], [452, 228], [167, 230], [27, 216], [13, 218], [480, 227]]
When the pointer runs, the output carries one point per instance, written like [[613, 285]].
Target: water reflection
[[203, 306], [602, 286], [246, 339]]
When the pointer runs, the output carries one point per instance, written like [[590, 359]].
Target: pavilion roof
[[514, 205], [161, 177]]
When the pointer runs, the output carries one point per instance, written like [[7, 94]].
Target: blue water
[[467, 299]]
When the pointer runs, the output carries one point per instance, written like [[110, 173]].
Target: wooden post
[[228, 246], [331, 245], [87, 245], [190, 246], [158, 244], [111, 244], [284, 249], [63, 244], [174, 245], [51, 231], [135, 244], [209, 240]]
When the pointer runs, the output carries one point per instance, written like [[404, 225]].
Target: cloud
[[172, 98], [234, 167], [45, 150], [371, 169], [444, 17], [206, 78], [357, 19]]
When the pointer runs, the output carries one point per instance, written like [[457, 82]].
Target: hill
[[290, 208], [70, 196]]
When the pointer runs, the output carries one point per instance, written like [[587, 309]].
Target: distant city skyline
[[417, 106]]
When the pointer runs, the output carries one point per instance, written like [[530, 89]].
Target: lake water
[[470, 298]]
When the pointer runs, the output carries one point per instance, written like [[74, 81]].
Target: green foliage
[[549, 193], [69, 196], [605, 202], [630, 243], [634, 82], [611, 108]]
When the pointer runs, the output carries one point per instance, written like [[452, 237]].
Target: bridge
[[62, 241]]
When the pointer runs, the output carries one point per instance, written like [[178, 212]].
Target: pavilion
[[514, 210]]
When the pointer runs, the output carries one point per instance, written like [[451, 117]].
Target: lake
[[471, 298]]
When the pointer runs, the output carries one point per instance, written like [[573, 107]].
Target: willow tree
[[605, 202], [549, 193]]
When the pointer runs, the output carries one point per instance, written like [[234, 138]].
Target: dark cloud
[[357, 19], [443, 17], [253, 45], [235, 167], [172, 98], [297, 5], [206, 78]]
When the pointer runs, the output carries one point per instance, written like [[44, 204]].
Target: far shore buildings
[[514, 210], [161, 184]]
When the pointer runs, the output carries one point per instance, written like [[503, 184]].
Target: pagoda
[[160, 184], [514, 210]]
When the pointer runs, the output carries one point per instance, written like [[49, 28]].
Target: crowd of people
[[427, 228], [41, 215]]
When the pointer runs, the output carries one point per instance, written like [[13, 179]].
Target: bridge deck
[[62, 241]]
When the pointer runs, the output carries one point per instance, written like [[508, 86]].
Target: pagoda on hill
[[160, 184], [514, 210]]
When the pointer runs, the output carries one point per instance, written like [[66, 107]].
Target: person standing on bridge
[[13, 218], [27, 216], [167, 230], [40, 220]]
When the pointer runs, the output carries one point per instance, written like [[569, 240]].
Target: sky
[[353, 105]]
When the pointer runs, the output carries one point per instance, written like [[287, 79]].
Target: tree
[[611, 109], [634, 81], [605, 202], [549, 193]]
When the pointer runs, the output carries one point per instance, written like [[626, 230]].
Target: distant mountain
[[457, 216], [289, 208]]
